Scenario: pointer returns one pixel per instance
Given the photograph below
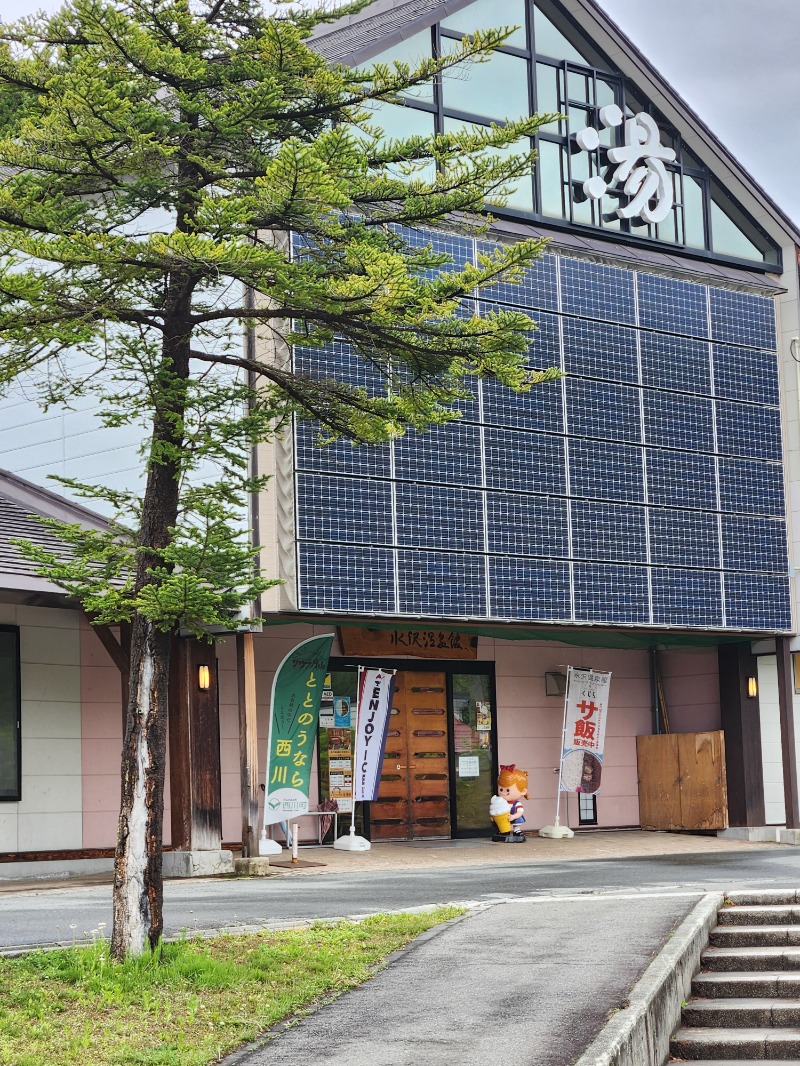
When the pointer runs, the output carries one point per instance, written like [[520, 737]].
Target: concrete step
[[751, 959], [749, 1012], [751, 1043], [785, 914], [773, 897], [753, 936], [741, 985]]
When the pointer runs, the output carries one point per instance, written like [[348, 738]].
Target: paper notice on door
[[469, 766]]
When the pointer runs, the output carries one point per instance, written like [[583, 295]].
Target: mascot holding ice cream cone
[[506, 809]]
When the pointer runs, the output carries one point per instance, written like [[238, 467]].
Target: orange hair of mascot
[[510, 775]]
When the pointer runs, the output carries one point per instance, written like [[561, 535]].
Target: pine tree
[[156, 156]]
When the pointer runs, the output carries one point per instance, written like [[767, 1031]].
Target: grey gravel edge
[[639, 1034]]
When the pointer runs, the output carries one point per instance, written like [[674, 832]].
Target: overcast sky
[[737, 62]]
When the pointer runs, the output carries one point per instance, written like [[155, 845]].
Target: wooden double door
[[414, 795]]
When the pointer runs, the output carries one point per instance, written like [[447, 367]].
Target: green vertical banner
[[296, 696]]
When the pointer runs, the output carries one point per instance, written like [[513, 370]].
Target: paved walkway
[[592, 844]]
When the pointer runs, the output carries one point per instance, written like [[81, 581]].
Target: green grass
[[189, 1003]]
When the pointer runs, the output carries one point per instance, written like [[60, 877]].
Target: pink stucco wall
[[529, 722]]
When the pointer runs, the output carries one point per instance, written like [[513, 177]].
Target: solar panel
[[671, 418], [536, 289], [608, 531], [681, 479], [527, 462], [750, 487], [603, 411], [441, 583], [754, 544], [333, 577], [757, 601], [341, 510], [747, 430], [746, 374], [686, 597], [684, 538], [594, 290], [743, 318], [449, 453], [606, 351], [606, 470], [644, 488], [340, 457], [673, 306], [439, 516], [532, 590], [527, 525], [606, 593], [677, 363]]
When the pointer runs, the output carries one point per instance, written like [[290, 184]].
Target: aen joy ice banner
[[296, 696], [584, 730], [375, 691]]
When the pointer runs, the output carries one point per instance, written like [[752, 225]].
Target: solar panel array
[[643, 488]]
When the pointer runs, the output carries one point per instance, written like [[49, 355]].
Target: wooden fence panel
[[659, 787], [682, 781]]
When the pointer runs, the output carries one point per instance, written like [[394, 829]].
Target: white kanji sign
[[639, 165]]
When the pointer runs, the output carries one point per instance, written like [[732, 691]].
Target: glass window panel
[[550, 41], [548, 100], [411, 52], [497, 88], [521, 196], [399, 122], [693, 220], [484, 15], [9, 715], [728, 239], [580, 88], [551, 182]]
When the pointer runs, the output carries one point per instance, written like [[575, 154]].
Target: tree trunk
[[138, 878], [138, 882]]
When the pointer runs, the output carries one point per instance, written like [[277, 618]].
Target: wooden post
[[194, 753], [248, 741], [785, 703], [741, 722]]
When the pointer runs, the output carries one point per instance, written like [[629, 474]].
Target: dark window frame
[[623, 231], [16, 795], [584, 817]]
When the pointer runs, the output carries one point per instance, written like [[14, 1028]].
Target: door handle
[[399, 767]]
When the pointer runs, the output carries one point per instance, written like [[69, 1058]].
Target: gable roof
[[20, 504], [356, 39]]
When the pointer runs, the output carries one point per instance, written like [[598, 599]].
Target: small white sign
[[337, 780], [341, 764], [469, 766]]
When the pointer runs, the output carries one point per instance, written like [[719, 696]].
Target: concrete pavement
[[529, 981]]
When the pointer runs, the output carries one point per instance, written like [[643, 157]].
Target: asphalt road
[[64, 915]]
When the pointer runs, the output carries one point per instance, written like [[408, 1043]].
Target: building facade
[[637, 515]]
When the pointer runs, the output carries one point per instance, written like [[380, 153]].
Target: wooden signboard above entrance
[[424, 643]]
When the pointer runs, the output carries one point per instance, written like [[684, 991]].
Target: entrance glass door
[[474, 733]]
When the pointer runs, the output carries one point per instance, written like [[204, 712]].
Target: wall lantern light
[[204, 678], [555, 683], [752, 687]]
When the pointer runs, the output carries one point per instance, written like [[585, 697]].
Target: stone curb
[[639, 1034]]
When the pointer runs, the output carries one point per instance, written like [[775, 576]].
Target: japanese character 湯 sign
[[639, 165]]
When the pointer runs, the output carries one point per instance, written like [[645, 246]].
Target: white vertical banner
[[375, 691], [585, 712]]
